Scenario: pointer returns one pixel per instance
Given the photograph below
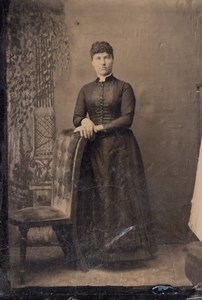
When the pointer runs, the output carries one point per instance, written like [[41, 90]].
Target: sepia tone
[[157, 49]]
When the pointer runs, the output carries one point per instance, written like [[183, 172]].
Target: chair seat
[[34, 215]]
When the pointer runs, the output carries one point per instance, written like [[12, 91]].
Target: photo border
[[70, 293]]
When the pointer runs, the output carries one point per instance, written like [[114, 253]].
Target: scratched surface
[[157, 49]]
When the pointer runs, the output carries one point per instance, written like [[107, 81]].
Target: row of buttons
[[101, 101]]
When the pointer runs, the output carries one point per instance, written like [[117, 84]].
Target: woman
[[114, 219]]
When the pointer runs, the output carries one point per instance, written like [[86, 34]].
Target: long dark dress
[[114, 220]]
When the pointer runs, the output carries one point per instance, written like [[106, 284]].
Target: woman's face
[[102, 63]]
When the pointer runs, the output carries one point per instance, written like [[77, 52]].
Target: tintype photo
[[104, 128]]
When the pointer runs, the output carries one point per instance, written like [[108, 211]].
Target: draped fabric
[[195, 221]]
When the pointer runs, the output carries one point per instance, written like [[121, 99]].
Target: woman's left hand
[[84, 132], [86, 129]]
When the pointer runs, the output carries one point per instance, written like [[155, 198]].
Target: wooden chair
[[61, 215]]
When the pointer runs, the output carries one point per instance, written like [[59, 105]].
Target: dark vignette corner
[[4, 5]]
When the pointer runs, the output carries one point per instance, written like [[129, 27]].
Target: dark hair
[[100, 47]]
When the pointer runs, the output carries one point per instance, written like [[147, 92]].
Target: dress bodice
[[110, 103]]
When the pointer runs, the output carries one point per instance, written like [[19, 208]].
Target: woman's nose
[[103, 62]]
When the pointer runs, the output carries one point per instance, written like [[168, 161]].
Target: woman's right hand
[[86, 129]]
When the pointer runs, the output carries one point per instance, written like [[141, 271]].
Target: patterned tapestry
[[37, 57]]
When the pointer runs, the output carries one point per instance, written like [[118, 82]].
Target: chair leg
[[23, 247], [81, 262], [70, 246], [70, 255], [63, 233]]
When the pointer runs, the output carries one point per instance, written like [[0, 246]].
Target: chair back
[[67, 157]]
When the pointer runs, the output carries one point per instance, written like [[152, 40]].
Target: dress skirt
[[114, 220]]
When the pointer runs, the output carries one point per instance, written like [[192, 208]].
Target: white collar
[[103, 78]]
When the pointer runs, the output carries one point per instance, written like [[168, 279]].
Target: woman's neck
[[103, 78]]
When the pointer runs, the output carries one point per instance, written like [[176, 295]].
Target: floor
[[45, 267]]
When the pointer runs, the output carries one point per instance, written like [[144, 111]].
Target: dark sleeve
[[80, 109], [127, 109]]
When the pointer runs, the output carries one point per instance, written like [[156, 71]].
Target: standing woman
[[114, 221]]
